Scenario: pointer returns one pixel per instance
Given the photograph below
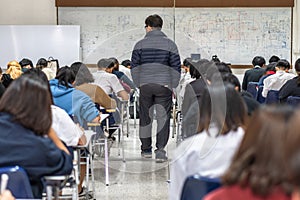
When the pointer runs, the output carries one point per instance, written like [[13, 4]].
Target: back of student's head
[[154, 21], [271, 67], [297, 69], [274, 59], [41, 63], [258, 61], [198, 69], [14, 69], [231, 79], [82, 73], [105, 63], [222, 106], [283, 64], [216, 68], [259, 161], [25, 62], [28, 100], [126, 63], [65, 76]]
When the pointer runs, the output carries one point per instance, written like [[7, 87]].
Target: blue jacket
[[74, 102], [155, 59], [38, 155]]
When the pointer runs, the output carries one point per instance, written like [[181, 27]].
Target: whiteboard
[[236, 35], [36, 41]]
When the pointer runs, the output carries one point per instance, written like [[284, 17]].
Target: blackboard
[[236, 35], [36, 41]]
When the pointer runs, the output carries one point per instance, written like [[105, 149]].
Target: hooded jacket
[[73, 101]]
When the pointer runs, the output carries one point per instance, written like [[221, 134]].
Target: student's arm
[[123, 95], [103, 99], [52, 135]]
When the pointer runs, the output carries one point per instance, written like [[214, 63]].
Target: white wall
[[27, 12]]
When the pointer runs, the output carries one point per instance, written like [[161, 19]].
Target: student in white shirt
[[276, 81], [209, 153]]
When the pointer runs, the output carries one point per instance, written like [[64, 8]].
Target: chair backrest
[[260, 98], [18, 182], [293, 101], [196, 187], [272, 97], [252, 89]]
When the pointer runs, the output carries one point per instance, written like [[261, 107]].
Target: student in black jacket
[[291, 87]]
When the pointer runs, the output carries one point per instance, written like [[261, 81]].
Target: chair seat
[[196, 187]]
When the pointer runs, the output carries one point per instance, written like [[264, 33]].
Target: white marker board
[[36, 41], [236, 35]]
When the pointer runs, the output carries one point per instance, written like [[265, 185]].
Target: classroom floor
[[136, 178]]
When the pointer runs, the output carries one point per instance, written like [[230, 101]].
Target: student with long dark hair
[[26, 137], [220, 130], [258, 170]]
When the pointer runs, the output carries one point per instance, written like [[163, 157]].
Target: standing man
[[155, 69]]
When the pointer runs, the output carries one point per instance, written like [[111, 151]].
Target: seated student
[[270, 70], [126, 63], [26, 138], [42, 64], [257, 171], [185, 78], [125, 81], [13, 71], [26, 64], [192, 98], [209, 153], [253, 75], [292, 86], [65, 128], [125, 69], [109, 82], [276, 81], [251, 103], [83, 82], [73, 101]]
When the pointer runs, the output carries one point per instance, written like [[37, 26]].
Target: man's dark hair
[[274, 59], [25, 61], [126, 63], [154, 21], [258, 60], [283, 63]]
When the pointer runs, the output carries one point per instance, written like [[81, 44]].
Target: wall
[[22, 12]]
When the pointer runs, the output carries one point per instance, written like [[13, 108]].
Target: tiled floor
[[136, 178]]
